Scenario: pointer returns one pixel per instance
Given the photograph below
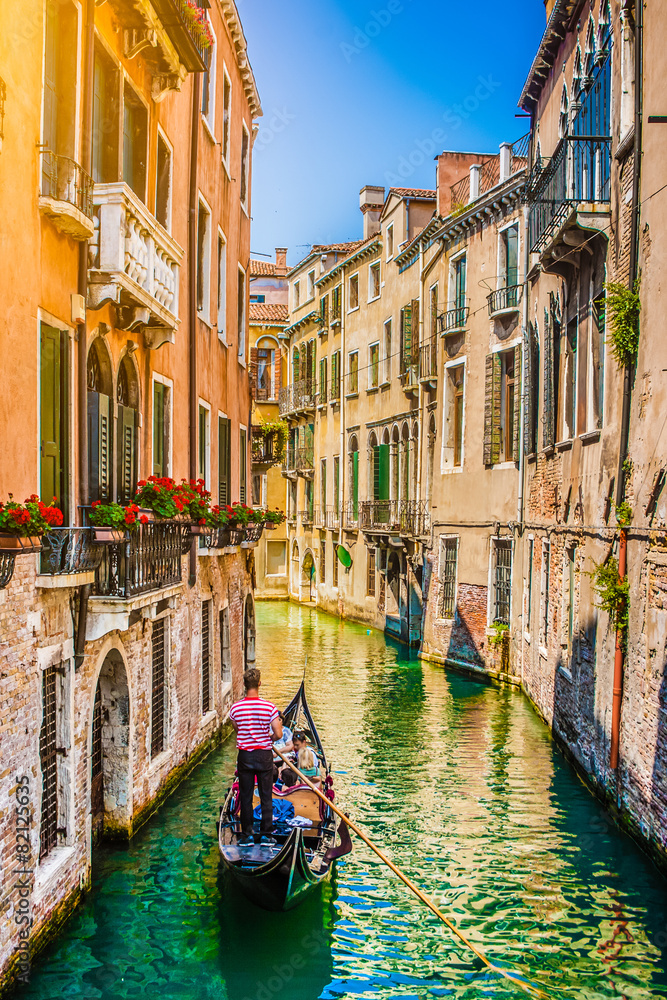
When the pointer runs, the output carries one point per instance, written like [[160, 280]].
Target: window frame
[[353, 281], [244, 181], [389, 241], [371, 571], [545, 596], [452, 291], [353, 375], [445, 541], [204, 313], [208, 117], [387, 357], [376, 384], [225, 139], [448, 461], [375, 266], [204, 409], [158, 746], [168, 384], [498, 544], [222, 287], [161, 136], [242, 316], [310, 286]]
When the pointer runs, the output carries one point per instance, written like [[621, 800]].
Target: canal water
[[461, 784]]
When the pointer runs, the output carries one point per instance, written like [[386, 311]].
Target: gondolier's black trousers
[[257, 763]]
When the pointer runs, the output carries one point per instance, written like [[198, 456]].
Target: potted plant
[[194, 501], [23, 524], [156, 499], [241, 514], [111, 521], [273, 518]]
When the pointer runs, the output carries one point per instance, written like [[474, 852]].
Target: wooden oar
[[526, 987]]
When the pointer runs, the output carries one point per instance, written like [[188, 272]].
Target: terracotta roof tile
[[268, 312], [258, 267], [337, 247], [413, 193]]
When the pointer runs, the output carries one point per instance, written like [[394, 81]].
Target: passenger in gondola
[[307, 759], [285, 745], [257, 724]]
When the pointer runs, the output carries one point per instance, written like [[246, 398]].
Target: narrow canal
[[460, 782]]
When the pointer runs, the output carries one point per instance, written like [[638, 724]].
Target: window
[[449, 548], [276, 558], [54, 409], [374, 366], [529, 596], [453, 416], [161, 429], [135, 142], [292, 498], [458, 283], [243, 463], [127, 430], [158, 668], [245, 166], [597, 358], [323, 485], [335, 375], [569, 595], [205, 657], [226, 115], [311, 285], [509, 259], [353, 293], [106, 119], [222, 286], [502, 406], [390, 241], [323, 380], [297, 294], [208, 82], [564, 117], [204, 457], [433, 299], [256, 489], [387, 351], [546, 581], [60, 83], [225, 647], [335, 564], [323, 560], [324, 312], [370, 575], [258, 299], [241, 314], [409, 344], [264, 356], [374, 281], [203, 260], [353, 373], [336, 485], [224, 461], [335, 304], [48, 758], [502, 580], [353, 467], [570, 414], [163, 183]]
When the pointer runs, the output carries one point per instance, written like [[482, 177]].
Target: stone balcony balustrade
[[134, 263]]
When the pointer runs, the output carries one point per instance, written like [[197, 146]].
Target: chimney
[[281, 261], [371, 202]]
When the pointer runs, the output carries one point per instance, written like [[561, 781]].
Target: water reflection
[[462, 786]]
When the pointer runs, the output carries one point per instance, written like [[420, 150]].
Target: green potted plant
[[111, 521], [273, 518], [156, 500], [195, 501], [23, 524]]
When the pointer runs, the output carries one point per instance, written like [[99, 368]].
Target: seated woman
[[307, 759], [285, 744]]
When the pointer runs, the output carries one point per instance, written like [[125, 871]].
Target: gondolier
[[257, 722]]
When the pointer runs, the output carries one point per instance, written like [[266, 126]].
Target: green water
[[462, 785]]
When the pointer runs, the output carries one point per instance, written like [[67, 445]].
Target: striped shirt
[[253, 716]]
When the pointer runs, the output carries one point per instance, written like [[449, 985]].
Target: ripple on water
[[462, 786]]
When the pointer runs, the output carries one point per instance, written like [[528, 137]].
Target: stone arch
[[589, 50], [385, 436], [110, 771], [404, 473], [394, 463], [577, 81], [393, 586], [353, 475], [307, 575], [99, 366], [430, 459], [249, 632]]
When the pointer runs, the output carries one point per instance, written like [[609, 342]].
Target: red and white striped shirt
[[253, 716]]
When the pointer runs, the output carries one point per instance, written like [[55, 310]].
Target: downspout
[[420, 444], [82, 329], [192, 302], [343, 458], [619, 658], [522, 448]]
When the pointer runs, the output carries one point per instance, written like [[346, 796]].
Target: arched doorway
[[100, 413], [127, 422], [249, 632], [110, 780], [295, 569], [307, 577]]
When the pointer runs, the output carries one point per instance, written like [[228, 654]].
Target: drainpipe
[[192, 302], [422, 395], [619, 658], [82, 331], [342, 464], [525, 321]]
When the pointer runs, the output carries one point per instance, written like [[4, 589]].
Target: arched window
[[100, 440], [394, 463], [267, 368], [563, 121], [604, 28], [127, 424], [589, 53], [430, 461], [404, 485], [353, 473], [577, 82]]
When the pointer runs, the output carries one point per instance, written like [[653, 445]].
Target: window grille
[[502, 581], [96, 760], [205, 659], [448, 559], [157, 703], [49, 764]]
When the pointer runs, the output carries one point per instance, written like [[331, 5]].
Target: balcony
[[66, 195], [454, 320], [134, 263], [299, 462], [170, 34], [409, 374], [300, 397], [504, 300], [307, 517], [428, 362], [266, 449], [149, 560], [69, 558], [399, 517], [332, 518], [572, 188], [351, 514]]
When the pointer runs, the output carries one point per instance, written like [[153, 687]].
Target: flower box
[[269, 526], [17, 544], [200, 529], [104, 535], [146, 512]]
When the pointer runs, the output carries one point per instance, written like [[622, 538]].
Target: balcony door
[[59, 106], [54, 466]]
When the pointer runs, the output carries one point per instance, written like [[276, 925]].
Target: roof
[[556, 29], [258, 267], [268, 312], [425, 193], [370, 246], [319, 249]]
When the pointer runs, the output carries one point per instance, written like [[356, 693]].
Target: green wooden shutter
[[414, 326], [517, 401], [496, 429], [336, 496], [50, 413], [99, 446], [355, 484], [127, 453], [383, 457], [243, 459], [406, 338], [492, 397], [159, 456], [549, 422], [376, 472], [224, 461]]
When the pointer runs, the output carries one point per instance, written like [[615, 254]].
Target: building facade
[[125, 177]]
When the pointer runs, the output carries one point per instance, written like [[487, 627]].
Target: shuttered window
[[335, 375], [243, 463], [447, 572], [48, 831], [532, 384], [323, 380], [370, 580], [406, 338], [355, 485], [127, 453], [336, 485], [53, 415], [381, 472], [160, 429], [158, 662], [323, 560], [492, 390], [502, 580], [205, 658], [502, 406], [224, 461]]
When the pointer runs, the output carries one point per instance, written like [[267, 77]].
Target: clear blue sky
[[353, 92]]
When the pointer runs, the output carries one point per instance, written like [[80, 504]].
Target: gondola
[[279, 877]]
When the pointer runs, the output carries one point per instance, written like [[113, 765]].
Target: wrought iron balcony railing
[[66, 551], [149, 560], [504, 299], [64, 180], [579, 171], [299, 459], [351, 513], [453, 319], [307, 516], [405, 517], [428, 359], [298, 396]]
